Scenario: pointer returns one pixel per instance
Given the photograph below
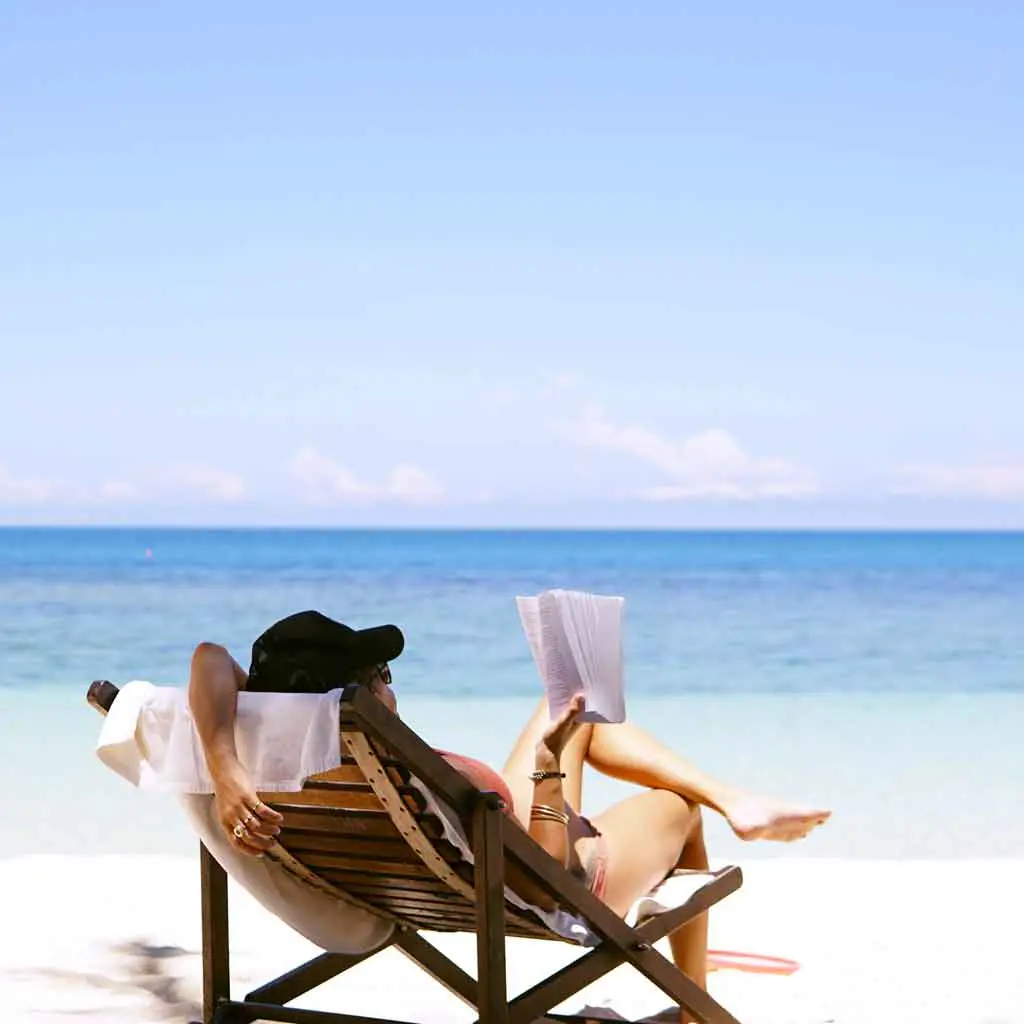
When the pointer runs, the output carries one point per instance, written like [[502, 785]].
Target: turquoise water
[[882, 674]]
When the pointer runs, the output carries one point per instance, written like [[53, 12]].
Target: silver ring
[[239, 831]]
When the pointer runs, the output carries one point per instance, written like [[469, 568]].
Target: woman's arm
[[548, 824], [548, 801], [213, 686], [214, 682]]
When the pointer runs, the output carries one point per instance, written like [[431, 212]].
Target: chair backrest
[[364, 833], [364, 830]]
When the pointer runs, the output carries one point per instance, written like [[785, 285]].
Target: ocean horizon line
[[701, 531]]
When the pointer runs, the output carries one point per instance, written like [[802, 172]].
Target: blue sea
[[880, 674]]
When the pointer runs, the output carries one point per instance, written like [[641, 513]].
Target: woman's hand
[[561, 730], [250, 825]]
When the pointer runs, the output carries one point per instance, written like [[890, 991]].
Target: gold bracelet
[[544, 812]]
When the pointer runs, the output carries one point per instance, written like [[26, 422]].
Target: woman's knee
[[680, 814], [693, 851]]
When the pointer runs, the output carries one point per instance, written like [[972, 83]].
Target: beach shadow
[[148, 970], [137, 968], [602, 1014]]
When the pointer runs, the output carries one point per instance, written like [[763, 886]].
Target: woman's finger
[[262, 828], [567, 721], [240, 823], [258, 842], [256, 824], [246, 840], [261, 810], [244, 845], [572, 711], [253, 826]]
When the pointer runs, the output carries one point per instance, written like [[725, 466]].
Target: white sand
[[111, 939]]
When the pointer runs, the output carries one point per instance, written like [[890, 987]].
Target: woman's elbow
[[213, 667], [208, 651]]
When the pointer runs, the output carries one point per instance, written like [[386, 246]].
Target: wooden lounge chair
[[365, 833]]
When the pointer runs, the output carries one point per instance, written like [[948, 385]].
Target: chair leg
[[216, 969], [489, 855]]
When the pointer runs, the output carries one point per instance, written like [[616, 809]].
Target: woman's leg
[[627, 752], [689, 944], [522, 761], [646, 837]]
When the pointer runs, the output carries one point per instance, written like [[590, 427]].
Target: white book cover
[[576, 641]]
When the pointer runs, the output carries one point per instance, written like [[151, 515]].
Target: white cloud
[[189, 481], [413, 486], [208, 482], [25, 490], [991, 480], [117, 490], [324, 481], [108, 492], [498, 399], [558, 385], [708, 465]]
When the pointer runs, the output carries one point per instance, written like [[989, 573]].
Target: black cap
[[309, 651]]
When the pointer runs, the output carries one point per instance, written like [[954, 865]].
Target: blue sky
[[539, 264]]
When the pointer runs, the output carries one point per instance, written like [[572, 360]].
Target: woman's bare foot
[[757, 818]]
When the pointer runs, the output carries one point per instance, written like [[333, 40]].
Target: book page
[[529, 615], [592, 625], [576, 642], [561, 680]]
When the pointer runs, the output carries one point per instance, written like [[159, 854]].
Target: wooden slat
[[398, 889], [361, 747], [311, 839], [343, 799], [348, 877], [299, 845], [401, 902], [406, 892], [434, 922], [419, 901], [464, 919], [533, 930], [325, 821], [348, 774], [324, 862]]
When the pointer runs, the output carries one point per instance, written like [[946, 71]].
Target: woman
[[622, 854]]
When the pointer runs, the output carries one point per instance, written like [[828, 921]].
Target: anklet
[[541, 776]]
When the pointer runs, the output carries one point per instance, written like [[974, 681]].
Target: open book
[[576, 640]]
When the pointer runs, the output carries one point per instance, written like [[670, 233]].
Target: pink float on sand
[[724, 959]]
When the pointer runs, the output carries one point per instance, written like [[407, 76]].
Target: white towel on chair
[[148, 738]]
